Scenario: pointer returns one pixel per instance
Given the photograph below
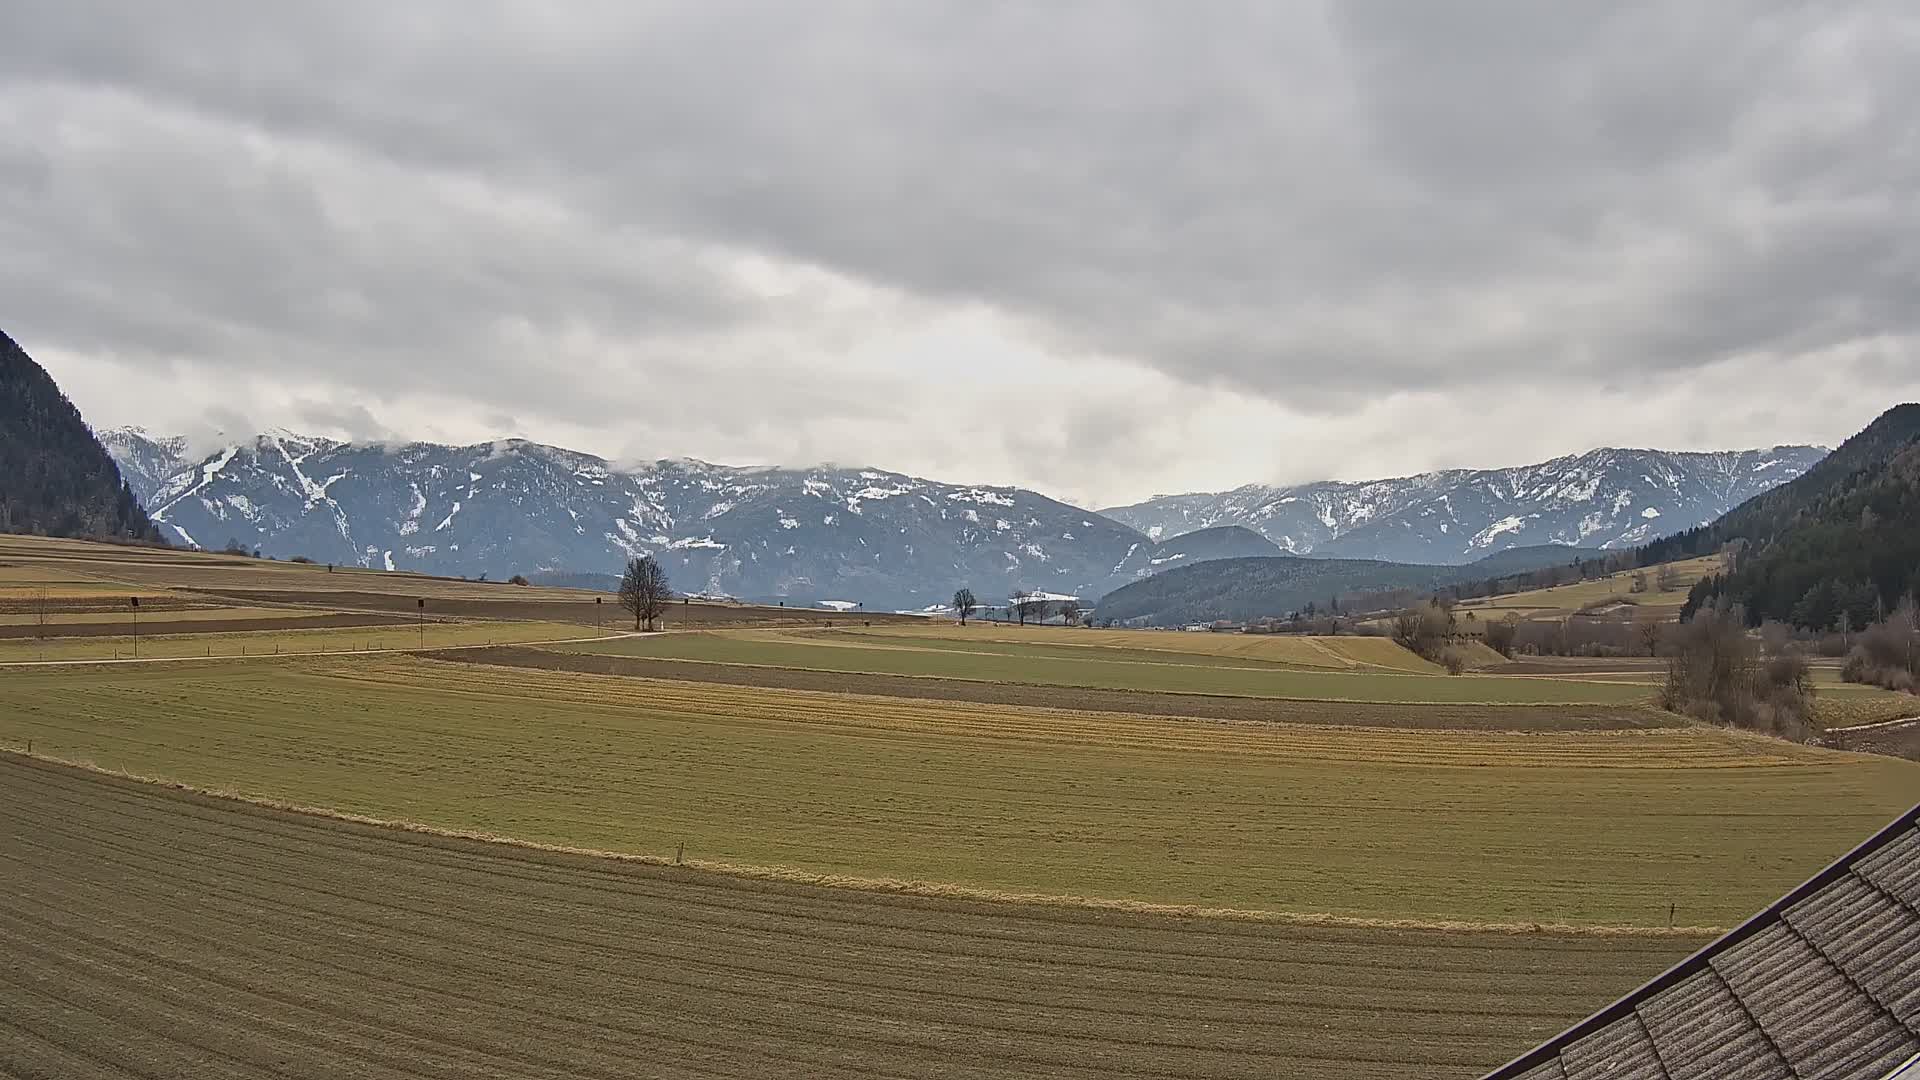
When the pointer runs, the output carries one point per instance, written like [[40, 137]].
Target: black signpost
[[422, 602], [133, 605]]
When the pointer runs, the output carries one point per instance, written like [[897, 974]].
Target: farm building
[[1824, 983]]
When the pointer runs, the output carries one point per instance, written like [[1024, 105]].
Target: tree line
[[55, 477], [1024, 606]]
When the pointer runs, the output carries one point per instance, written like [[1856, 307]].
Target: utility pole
[[597, 601], [133, 605]]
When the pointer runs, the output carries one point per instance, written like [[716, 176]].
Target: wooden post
[[680, 853]]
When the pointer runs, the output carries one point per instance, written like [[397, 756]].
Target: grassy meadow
[[284, 638], [1568, 599], [1142, 669], [909, 846], [1575, 827]]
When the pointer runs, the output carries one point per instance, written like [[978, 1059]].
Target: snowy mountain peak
[[890, 539], [1607, 497], [514, 506]]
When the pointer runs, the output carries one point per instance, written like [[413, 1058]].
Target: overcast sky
[[1100, 249]]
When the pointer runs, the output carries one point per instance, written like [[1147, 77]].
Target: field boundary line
[[327, 652], [893, 886], [1632, 705]]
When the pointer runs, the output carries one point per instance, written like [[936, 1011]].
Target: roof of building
[[1824, 983]]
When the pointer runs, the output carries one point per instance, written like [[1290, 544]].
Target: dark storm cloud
[[538, 208]]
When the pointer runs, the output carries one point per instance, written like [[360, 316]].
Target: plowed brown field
[[151, 932]]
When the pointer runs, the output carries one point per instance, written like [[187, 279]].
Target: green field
[[1575, 827], [1144, 670]]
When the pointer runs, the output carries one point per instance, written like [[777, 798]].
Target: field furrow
[[201, 937]]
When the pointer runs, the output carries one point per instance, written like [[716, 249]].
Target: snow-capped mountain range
[[868, 535], [1608, 498], [852, 535]]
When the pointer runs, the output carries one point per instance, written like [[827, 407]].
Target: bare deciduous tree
[[644, 591], [1425, 629], [1666, 579], [1024, 605], [964, 604], [1069, 611], [1650, 631]]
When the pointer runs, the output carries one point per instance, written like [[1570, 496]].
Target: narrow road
[[1876, 724]]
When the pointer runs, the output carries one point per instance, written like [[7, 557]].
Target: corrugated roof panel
[[1820, 1020], [1620, 1051], [1702, 1031], [1896, 867], [1870, 935]]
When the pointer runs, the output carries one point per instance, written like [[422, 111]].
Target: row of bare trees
[[1023, 605]]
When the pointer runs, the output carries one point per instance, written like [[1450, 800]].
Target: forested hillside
[[1838, 546], [55, 477], [1270, 587]]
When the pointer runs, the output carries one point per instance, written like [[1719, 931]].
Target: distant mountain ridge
[[512, 506], [884, 538], [1605, 498], [56, 479]]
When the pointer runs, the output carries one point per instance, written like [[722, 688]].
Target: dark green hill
[[1842, 541], [1272, 586], [55, 477]]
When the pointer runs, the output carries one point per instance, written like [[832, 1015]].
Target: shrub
[[1714, 675], [1424, 630], [518, 579], [301, 559], [1452, 660], [1887, 653], [1831, 645]]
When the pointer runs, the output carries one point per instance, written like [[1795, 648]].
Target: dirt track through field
[[159, 627], [579, 611], [1207, 706], [159, 933]]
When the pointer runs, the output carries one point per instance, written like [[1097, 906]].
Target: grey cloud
[[357, 422], [1317, 205]]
